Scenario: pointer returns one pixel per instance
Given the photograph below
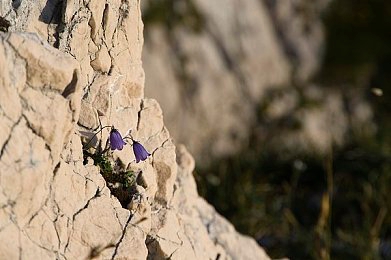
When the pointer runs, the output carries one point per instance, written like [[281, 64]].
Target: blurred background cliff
[[285, 106]]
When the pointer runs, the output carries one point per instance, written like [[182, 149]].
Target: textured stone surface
[[214, 79], [104, 37], [54, 203], [39, 109], [209, 81], [220, 236], [189, 228], [301, 33]]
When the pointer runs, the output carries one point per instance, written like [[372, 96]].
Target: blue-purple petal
[[116, 141], [139, 152]]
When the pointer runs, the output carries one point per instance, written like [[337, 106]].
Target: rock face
[[65, 66], [39, 104], [223, 70], [300, 32], [211, 79]]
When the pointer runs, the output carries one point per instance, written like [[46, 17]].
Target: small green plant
[[129, 179], [120, 181]]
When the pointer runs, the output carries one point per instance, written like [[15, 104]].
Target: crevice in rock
[[97, 194], [105, 18], [120, 181], [9, 138], [51, 13], [86, 89], [122, 237], [154, 249], [28, 124], [69, 237], [4, 24], [71, 88], [16, 3], [97, 250], [170, 256], [124, 9], [20, 245], [38, 244], [47, 198], [161, 146], [58, 236]]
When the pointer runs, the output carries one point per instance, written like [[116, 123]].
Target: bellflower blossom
[[139, 152], [116, 141]]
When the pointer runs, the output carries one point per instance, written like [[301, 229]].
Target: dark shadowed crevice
[[16, 3], [121, 182], [96, 195], [51, 13], [4, 24], [122, 237], [71, 88], [3, 148]]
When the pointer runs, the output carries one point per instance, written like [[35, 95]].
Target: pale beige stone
[[164, 238], [189, 228], [11, 106], [147, 178], [88, 115], [53, 127], [97, 8], [102, 61], [54, 203], [132, 246], [41, 230], [116, 31], [43, 68], [166, 169], [46, 110], [140, 209], [151, 119], [94, 226], [25, 168], [10, 246]]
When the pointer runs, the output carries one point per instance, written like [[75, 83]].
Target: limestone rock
[[301, 33], [212, 78], [299, 127], [39, 109], [191, 229], [103, 37], [55, 202], [224, 68]]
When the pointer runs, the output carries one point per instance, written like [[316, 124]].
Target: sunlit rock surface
[[65, 67]]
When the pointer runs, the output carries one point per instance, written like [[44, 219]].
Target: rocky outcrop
[[39, 106], [227, 70], [301, 34], [65, 67], [211, 78], [105, 38]]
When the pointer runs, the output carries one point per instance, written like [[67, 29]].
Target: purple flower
[[116, 141], [139, 152]]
